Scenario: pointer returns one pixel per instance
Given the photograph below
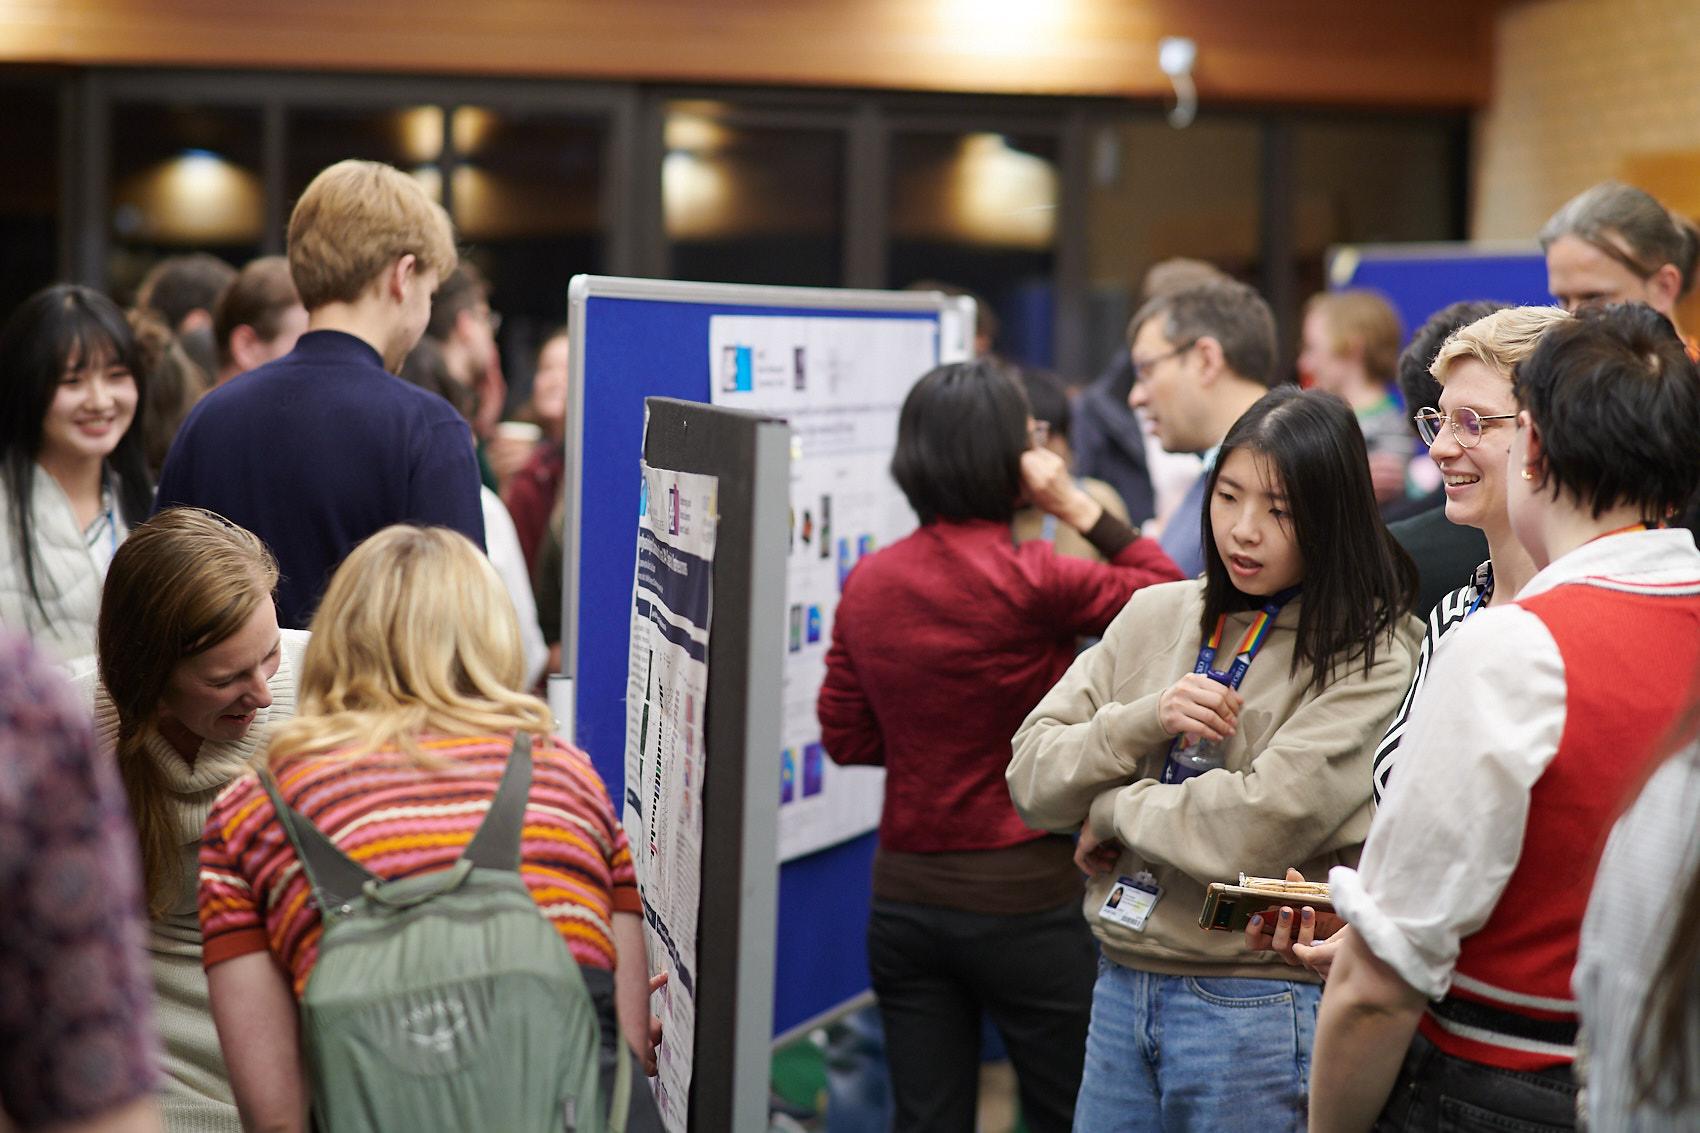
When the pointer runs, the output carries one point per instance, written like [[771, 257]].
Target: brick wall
[[1584, 90]]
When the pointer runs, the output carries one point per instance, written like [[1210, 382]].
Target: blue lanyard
[[1255, 635]]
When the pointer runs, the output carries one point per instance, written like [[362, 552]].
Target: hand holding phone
[[1230, 907]]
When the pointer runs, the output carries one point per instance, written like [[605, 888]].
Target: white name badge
[[1130, 901]]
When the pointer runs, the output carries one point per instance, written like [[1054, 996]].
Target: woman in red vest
[[1538, 721]]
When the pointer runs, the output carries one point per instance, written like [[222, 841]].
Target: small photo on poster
[[787, 776], [814, 769], [826, 527], [814, 624], [796, 629], [808, 527], [846, 560], [745, 369], [864, 547], [799, 368], [729, 369]]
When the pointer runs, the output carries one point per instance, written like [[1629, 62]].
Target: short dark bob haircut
[[1358, 581], [50, 330], [1616, 401], [960, 437]]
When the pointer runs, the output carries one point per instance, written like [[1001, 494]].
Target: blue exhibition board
[[635, 348], [1420, 279]]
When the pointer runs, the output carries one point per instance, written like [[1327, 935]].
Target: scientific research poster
[[667, 688], [840, 382]]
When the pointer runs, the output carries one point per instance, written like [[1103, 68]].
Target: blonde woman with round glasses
[[1469, 436]]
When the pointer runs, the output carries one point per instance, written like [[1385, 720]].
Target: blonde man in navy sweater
[[321, 448]]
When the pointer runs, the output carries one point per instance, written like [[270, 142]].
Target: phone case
[[1229, 908]]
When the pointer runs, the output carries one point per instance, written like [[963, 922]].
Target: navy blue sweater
[[318, 450]]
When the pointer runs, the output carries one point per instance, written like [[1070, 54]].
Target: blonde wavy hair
[[1501, 341], [415, 636]]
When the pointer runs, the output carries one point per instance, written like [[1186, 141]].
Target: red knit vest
[[1629, 653]]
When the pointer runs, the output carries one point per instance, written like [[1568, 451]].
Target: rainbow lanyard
[[1255, 635]]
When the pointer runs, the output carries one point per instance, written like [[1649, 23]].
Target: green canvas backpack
[[447, 1001]]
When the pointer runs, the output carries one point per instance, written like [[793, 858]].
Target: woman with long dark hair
[[940, 644], [73, 474], [1452, 991], [1225, 725]]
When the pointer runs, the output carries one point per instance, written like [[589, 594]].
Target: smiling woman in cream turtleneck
[[193, 675]]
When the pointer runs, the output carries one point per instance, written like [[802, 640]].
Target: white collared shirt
[[1483, 731]]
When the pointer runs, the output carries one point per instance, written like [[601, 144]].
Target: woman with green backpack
[[417, 914]]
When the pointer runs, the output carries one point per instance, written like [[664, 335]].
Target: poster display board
[[638, 342], [667, 692], [1420, 279], [839, 383]]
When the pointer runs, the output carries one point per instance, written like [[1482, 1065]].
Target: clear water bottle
[[1190, 756]]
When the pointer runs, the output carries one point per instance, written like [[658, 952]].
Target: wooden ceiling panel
[[1288, 51]]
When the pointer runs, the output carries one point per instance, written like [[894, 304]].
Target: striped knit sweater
[[398, 819], [196, 1096]]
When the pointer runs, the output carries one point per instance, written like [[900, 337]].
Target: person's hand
[[1095, 856], [1047, 482], [1387, 472], [1198, 706], [646, 1056], [1319, 957], [1295, 932]]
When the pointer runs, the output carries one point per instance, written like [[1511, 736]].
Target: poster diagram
[[667, 688], [840, 382]]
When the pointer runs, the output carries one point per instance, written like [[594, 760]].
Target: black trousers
[[1436, 1091], [935, 971]]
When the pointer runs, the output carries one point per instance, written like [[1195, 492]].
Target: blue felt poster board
[[1420, 279], [651, 339]]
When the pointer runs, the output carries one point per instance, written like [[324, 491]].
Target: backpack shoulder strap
[[496, 845], [334, 877]]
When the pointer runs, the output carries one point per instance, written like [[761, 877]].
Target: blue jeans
[[1189, 1053]]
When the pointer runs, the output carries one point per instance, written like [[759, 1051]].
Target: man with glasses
[[1201, 356]]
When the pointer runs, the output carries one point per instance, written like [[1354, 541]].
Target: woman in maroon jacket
[[942, 643]]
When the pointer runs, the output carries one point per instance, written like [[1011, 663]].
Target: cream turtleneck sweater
[[196, 1096]]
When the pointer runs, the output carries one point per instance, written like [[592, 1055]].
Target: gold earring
[[1527, 475]]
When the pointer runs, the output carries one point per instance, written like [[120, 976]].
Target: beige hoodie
[[1295, 791]]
